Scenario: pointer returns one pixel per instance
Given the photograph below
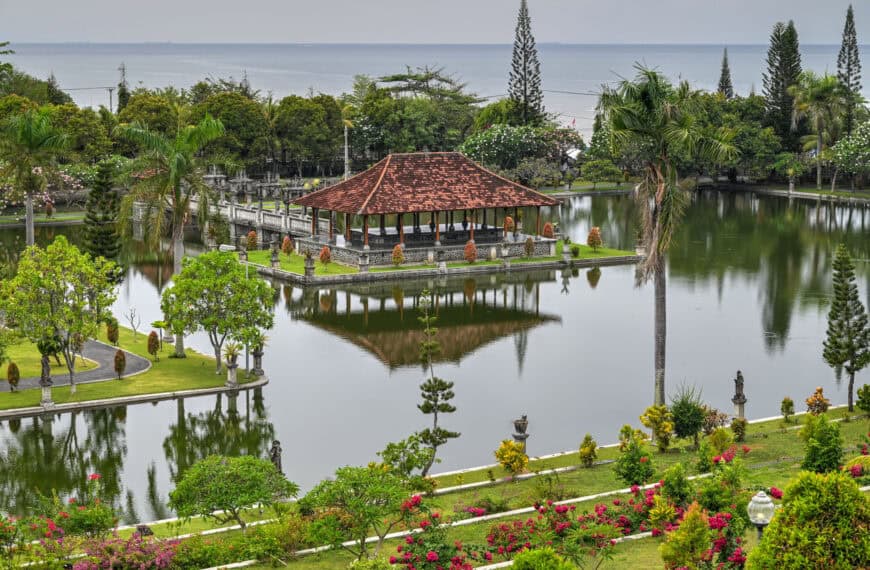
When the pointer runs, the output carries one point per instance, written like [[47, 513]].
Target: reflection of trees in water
[[48, 453]]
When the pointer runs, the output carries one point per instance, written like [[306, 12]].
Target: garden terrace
[[461, 201]]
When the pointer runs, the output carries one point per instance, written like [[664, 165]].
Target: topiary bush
[[509, 225], [593, 240], [676, 485], [575, 250], [120, 363], [548, 230], [511, 455], [325, 255], [12, 376], [398, 255], [786, 408], [588, 451], [251, 242], [470, 252], [823, 445], [287, 246], [687, 546], [153, 345], [634, 464], [705, 457], [720, 440], [529, 246], [824, 522], [817, 403], [688, 413], [738, 426], [112, 332], [541, 559]]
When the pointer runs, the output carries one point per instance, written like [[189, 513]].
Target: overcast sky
[[417, 21]]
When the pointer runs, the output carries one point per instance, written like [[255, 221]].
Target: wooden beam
[[365, 231], [401, 229], [437, 228], [347, 228], [538, 223]]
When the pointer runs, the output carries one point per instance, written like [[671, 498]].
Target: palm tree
[[822, 101], [29, 146], [171, 173], [346, 114], [657, 121]]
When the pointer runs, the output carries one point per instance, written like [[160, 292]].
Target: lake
[[749, 284]]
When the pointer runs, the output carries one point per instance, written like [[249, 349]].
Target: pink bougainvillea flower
[[775, 493]]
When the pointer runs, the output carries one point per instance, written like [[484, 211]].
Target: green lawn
[[168, 375], [451, 265], [25, 355], [585, 186], [295, 263], [40, 217]]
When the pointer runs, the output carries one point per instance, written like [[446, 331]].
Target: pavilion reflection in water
[[383, 320]]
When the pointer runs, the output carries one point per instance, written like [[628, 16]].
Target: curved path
[[101, 353]]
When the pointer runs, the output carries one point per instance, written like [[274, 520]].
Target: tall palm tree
[[657, 122], [821, 100], [170, 174], [29, 146], [347, 122]]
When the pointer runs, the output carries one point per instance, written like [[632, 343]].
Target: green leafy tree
[[59, 296], [87, 135], [823, 444], [212, 294], [649, 113], [524, 83], [849, 70], [634, 464], [101, 217], [357, 503], [151, 109], [221, 488], [783, 70], [660, 420], [175, 176], [847, 344], [13, 375], [55, 95], [407, 457], [29, 147], [123, 89], [726, 89], [851, 154], [244, 127], [789, 165], [436, 393], [824, 522], [819, 100], [596, 171]]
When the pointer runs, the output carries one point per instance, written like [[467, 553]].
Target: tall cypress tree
[[847, 345], [524, 83], [53, 92], [783, 69], [725, 86], [101, 217], [849, 69], [123, 90]]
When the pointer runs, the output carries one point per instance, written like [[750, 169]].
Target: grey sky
[[416, 21]]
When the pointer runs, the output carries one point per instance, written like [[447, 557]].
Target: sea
[[572, 74]]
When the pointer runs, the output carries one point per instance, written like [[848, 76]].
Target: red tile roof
[[424, 182]]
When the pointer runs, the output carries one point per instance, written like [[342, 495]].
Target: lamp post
[[760, 510]]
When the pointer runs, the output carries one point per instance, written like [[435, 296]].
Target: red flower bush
[[470, 252]]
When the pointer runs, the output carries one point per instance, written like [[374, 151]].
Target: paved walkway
[[101, 353]]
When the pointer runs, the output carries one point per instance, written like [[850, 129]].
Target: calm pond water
[[748, 289]]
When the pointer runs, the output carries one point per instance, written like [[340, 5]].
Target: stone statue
[[739, 399], [275, 455], [45, 376]]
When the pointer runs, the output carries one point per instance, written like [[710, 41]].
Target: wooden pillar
[[401, 229], [365, 232], [383, 224], [437, 229], [538, 222], [331, 226], [471, 227], [483, 223], [516, 220], [347, 228], [313, 222], [450, 223]]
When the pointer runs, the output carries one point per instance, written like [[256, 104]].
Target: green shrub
[[13, 375], [593, 240], [686, 547], [470, 252], [371, 564], [494, 504], [541, 559], [676, 485], [786, 408], [863, 402], [738, 426], [817, 403], [153, 345], [713, 419], [634, 464], [720, 440], [529, 247], [705, 457], [824, 522], [688, 413], [112, 331], [120, 363], [398, 255], [575, 251], [660, 421], [252, 240], [588, 451], [823, 445], [287, 246], [512, 456]]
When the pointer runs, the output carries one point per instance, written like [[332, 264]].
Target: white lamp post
[[760, 511]]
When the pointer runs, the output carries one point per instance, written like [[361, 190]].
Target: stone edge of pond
[[799, 194], [434, 272], [14, 413]]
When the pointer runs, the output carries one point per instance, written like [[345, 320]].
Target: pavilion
[[460, 200]]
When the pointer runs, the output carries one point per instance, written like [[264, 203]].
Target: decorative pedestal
[[257, 370], [364, 263], [46, 401], [232, 377], [243, 254], [309, 267], [276, 262], [521, 425], [739, 400]]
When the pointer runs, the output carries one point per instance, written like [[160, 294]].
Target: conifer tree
[[847, 345], [53, 92], [123, 89], [783, 69], [725, 86], [524, 84], [436, 393], [849, 69], [101, 228]]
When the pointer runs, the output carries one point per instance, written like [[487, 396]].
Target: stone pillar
[[739, 400], [520, 435], [309, 266], [276, 261], [364, 263], [257, 370], [243, 254], [232, 376]]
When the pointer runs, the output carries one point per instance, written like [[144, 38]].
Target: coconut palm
[[346, 114], [29, 146], [170, 173], [822, 101], [656, 121]]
